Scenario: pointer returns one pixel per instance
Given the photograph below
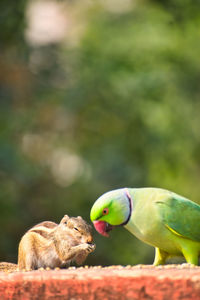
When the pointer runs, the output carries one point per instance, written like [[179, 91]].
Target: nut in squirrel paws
[[92, 247], [89, 247]]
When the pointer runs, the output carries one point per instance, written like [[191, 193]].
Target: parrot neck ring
[[130, 206]]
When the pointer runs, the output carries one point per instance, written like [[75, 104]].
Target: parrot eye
[[105, 211]]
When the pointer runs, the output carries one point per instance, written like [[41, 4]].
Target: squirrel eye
[[76, 229], [105, 211]]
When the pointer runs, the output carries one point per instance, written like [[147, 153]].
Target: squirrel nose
[[89, 239]]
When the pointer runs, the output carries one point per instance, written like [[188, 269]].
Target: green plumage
[[182, 216], [163, 219]]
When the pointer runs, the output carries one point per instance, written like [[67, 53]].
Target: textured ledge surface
[[94, 283]]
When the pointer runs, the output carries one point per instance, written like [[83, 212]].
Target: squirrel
[[51, 245]]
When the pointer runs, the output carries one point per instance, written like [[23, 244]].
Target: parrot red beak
[[102, 227]]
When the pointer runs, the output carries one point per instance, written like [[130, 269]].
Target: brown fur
[[55, 245], [52, 245], [47, 224]]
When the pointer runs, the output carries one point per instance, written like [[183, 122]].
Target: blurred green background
[[95, 95]]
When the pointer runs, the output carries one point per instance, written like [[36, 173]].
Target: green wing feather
[[182, 216]]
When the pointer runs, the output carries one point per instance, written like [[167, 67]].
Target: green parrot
[[160, 218]]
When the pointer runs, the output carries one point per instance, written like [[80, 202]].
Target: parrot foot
[[160, 257], [190, 251], [191, 257]]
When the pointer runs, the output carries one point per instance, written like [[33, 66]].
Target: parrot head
[[110, 210]]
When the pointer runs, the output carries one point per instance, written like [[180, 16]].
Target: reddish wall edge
[[103, 283]]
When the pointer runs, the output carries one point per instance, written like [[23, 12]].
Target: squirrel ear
[[79, 217], [64, 219]]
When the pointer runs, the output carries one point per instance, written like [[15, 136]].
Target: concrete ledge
[[116, 282]]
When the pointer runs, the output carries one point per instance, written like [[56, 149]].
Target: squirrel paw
[[88, 247], [91, 247]]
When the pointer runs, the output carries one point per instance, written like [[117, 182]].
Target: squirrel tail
[[7, 267]]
